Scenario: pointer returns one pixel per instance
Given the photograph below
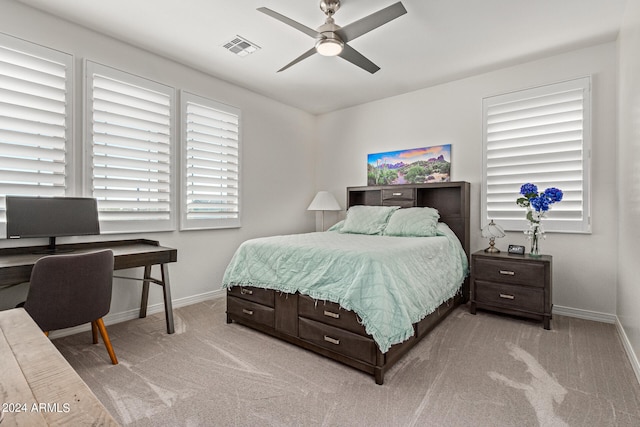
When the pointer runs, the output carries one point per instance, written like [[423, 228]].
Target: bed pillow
[[413, 222], [367, 219]]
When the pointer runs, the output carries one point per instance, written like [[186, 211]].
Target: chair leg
[[94, 332], [105, 337]]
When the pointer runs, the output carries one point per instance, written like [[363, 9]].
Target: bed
[[366, 291]]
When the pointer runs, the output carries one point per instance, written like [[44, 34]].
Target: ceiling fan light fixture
[[329, 47]]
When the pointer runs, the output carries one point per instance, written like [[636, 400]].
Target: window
[[541, 135], [210, 164], [35, 120], [129, 159], [129, 162]]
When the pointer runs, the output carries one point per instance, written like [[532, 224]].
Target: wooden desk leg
[[168, 306], [144, 300]]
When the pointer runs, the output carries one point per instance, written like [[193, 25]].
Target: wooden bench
[[37, 385]]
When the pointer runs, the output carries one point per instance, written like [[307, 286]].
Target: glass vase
[[536, 234]]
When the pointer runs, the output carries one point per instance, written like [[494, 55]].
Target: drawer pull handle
[[249, 312], [507, 296], [397, 194], [331, 314], [332, 340], [507, 272], [244, 291]]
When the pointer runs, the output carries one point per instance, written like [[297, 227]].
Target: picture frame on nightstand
[[515, 250]]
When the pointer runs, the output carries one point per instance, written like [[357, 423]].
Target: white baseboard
[[123, 316], [584, 314], [633, 359]]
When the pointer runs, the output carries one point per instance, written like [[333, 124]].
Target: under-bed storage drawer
[[250, 293], [329, 313], [338, 340], [251, 311], [510, 296]]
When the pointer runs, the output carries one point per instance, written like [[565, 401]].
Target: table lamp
[[491, 231], [324, 201]]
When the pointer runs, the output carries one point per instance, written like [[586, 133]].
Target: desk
[[39, 387], [16, 265]]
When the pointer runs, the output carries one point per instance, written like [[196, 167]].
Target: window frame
[[129, 225], [518, 222], [187, 223], [66, 60]]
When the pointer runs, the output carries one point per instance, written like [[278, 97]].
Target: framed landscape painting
[[413, 166]]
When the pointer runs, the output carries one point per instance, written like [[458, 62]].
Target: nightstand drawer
[[251, 311], [329, 313], [509, 296], [505, 271], [250, 293], [344, 342]]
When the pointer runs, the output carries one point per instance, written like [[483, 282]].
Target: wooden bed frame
[[326, 328]]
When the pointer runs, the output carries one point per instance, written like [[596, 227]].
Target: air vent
[[241, 46]]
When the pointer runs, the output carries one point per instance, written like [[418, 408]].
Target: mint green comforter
[[389, 282]]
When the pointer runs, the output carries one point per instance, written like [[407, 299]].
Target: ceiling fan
[[332, 39]]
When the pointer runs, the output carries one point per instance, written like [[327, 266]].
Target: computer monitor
[[51, 217]]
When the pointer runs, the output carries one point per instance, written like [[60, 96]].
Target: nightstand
[[512, 284]]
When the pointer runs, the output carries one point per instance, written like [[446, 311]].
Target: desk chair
[[70, 290]]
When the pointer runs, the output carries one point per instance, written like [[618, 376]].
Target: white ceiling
[[436, 41]]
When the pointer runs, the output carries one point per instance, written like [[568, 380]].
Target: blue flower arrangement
[[537, 204]]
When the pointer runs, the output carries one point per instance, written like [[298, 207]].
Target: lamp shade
[[324, 201], [492, 230]]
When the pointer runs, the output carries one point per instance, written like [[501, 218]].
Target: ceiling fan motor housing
[[329, 44]]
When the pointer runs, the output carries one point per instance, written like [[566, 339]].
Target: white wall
[[628, 292], [584, 269], [278, 179]]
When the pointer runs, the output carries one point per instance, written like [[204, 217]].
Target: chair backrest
[[70, 290]]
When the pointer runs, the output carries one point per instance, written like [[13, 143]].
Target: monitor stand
[[52, 249]]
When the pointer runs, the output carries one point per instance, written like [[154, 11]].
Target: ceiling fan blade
[[298, 26], [356, 58], [299, 58], [371, 22]]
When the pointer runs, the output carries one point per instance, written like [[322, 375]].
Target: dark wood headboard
[[451, 199]]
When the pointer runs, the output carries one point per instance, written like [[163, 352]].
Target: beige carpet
[[483, 370]]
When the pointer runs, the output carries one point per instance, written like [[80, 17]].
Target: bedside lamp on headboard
[[491, 231], [324, 201]]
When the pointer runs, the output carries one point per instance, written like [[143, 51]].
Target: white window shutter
[[130, 132], [210, 163], [539, 136], [35, 120]]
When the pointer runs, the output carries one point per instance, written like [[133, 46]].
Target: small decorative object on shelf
[[491, 231], [537, 204], [516, 250]]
